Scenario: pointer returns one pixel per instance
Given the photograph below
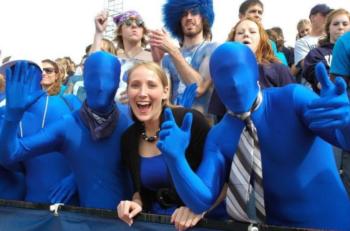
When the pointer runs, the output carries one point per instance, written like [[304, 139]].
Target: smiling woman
[[51, 77], [148, 97]]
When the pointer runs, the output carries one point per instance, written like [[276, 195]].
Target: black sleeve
[[310, 61], [199, 130], [128, 157], [216, 107], [285, 76], [274, 75]]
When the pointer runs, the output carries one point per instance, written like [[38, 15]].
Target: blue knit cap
[[174, 9]]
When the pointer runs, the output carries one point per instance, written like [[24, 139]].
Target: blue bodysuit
[[341, 56], [12, 183], [302, 187], [91, 147], [46, 172], [48, 178]]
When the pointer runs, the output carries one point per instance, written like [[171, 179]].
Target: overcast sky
[[38, 29]]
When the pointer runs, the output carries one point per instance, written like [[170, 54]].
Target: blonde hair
[[154, 67], [302, 23], [108, 46]]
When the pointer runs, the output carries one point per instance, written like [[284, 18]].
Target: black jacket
[[131, 157]]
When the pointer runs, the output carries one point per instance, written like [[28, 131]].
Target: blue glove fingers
[[187, 122], [190, 89], [23, 77], [54, 194], [160, 146], [163, 134], [16, 70], [323, 78], [167, 125], [9, 79], [65, 195], [321, 114], [68, 196], [340, 86], [328, 102], [193, 91], [61, 194], [29, 75], [326, 124], [168, 115], [189, 95], [26, 74]]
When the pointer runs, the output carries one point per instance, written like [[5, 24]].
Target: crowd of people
[[249, 130]]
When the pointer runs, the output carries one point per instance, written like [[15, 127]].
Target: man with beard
[[190, 22]]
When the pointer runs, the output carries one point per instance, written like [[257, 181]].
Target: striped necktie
[[246, 173]]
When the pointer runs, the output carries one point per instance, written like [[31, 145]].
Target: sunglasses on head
[[48, 70], [138, 22]]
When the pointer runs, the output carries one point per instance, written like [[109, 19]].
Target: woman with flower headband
[[130, 37]]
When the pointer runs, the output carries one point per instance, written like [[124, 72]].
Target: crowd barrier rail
[[26, 216]]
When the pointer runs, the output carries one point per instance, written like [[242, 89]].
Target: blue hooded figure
[[48, 178], [295, 129], [89, 138]]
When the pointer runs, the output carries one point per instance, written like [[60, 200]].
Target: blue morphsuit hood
[[101, 80], [234, 70]]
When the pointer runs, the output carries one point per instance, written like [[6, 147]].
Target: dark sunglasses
[[138, 22], [192, 11], [48, 70]]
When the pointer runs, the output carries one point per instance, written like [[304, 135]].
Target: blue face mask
[[234, 70], [101, 80]]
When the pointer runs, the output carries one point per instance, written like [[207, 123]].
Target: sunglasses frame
[[138, 22], [49, 70]]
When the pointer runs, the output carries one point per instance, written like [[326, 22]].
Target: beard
[[196, 29]]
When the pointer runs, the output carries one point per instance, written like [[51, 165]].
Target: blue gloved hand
[[20, 93], [173, 141], [332, 109], [64, 190], [188, 96]]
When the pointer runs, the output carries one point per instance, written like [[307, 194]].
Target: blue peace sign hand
[[188, 96], [332, 109], [174, 140], [19, 89]]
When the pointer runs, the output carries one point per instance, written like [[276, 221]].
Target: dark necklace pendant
[[150, 139]]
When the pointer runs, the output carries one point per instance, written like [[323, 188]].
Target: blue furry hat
[[174, 9]]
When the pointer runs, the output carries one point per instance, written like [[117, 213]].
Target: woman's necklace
[[150, 139]]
